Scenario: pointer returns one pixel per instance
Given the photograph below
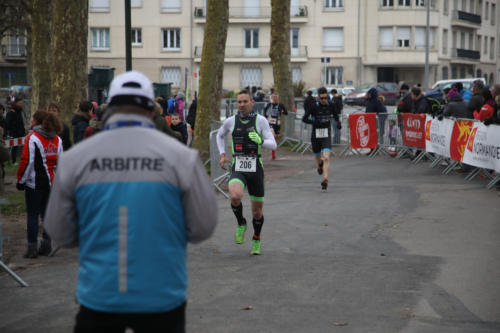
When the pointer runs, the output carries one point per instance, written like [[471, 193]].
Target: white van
[[467, 83]]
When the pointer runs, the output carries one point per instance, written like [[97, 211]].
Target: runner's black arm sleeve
[[307, 113], [334, 112], [266, 108], [283, 109]]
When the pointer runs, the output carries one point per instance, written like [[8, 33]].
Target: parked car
[[315, 91], [387, 89], [467, 83], [23, 91], [437, 89], [346, 91]]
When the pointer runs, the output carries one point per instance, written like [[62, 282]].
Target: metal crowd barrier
[[2, 264], [297, 135], [218, 175], [387, 142]]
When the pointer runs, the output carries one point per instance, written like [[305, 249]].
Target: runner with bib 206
[[320, 117], [275, 109], [250, 132]]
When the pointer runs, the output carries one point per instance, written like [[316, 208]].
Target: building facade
[[13, 59], [333, 42]]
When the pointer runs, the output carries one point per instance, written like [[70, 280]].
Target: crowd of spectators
[[481, 102]]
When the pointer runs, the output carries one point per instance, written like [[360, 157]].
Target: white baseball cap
[[131, 88]]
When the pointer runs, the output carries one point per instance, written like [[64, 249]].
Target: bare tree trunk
[[41, 55], [280, 51], [69, 56], [29, 57], [211, 72]]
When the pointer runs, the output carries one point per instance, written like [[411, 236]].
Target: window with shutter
[[251, 77], [99, 5], [170, 5], [171, 39], [403, 36], [333, 39], [296, 74], [99, 38], [171, 75], [386, 38]]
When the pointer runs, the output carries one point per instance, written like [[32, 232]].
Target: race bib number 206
[[321, 133], [246, 163]]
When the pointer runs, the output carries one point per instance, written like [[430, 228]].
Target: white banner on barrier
[[438, 136], [483, 147]]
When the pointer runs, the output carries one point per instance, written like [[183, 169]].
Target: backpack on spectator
[[434, 108], [172, 105]]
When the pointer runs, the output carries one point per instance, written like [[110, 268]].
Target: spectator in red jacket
[[35, 175], [488, 107]]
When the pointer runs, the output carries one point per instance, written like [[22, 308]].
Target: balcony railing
[[466, 17], [463, 53], [260, 52], [253, 12], [13, 51]]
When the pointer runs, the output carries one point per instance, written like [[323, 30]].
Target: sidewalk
[[390, 247]]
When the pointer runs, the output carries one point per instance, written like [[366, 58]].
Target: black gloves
[[440, 117], [488, 121], [20, 187], [339, 125]]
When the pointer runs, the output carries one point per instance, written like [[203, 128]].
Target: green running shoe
[[239, 237], [255, 246]]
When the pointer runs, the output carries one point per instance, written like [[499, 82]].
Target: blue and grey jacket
[[123, 199]]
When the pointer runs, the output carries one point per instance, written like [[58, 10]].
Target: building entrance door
[[385, 74]]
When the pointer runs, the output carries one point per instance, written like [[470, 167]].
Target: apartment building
[[333, 42], [13, 59]]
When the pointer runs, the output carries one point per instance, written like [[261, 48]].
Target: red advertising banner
[[363, 129], [459, 138], [414, 130]]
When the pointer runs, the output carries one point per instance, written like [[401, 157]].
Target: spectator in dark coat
[[2, 119], [496, 115], [179, 126], [420, 104], [456, 106], [11, 98], [465, 93], [375, 105], [495, 91], [161, 123], [14, 124], [477, 100], [81, 120], [404, 105], [309, 102], [64, 135], [191, 117], [95, 124]]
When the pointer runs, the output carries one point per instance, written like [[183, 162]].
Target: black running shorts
[[254, 181], [276, 128]]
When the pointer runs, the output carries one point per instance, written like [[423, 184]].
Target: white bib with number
[[246, 163], [272, 121], [321, 133]]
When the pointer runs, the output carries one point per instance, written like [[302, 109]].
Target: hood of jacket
[[49, 135], [456, 98], [372, 93], [95, 124], [80, 116], [15, 108]]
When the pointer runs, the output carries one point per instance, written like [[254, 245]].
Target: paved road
[[391, 247]]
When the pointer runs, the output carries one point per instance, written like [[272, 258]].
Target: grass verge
[[16, 204]]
